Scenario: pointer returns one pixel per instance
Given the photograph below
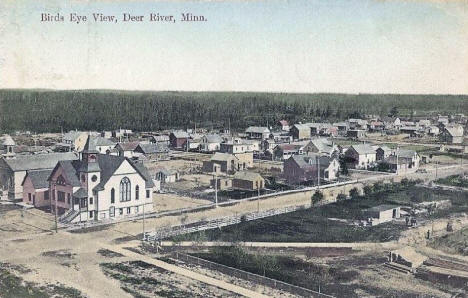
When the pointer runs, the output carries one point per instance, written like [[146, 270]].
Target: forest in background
[[53, 111]]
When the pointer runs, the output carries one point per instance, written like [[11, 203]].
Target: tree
[[354, 193], [343, 165], [367, 190], [394, 111], [317, 197], [341, 197]]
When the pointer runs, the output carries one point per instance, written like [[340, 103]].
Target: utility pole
[[55, 196], [216, 188], [144, 220], [318, 171]]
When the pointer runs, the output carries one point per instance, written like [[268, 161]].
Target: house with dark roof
[[300, 169], [360, 156], [284, 151], [152, 151], [36, 188], [99, 187], [127, 149], [222, 163], [403, 160], [13, 171], [178, 139], [257, 133], [452, 134], [246, 180]]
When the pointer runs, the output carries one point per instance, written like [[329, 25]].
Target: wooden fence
[[252, 277]]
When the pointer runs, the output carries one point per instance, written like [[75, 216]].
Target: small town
[[218, 149], [391, 192]]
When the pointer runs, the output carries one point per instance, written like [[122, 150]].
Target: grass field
[[455, 180], [353, 275], [316, 224], [456, 243]]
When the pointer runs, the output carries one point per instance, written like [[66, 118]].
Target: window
[[83, 178], [125, 190], [60, 196], [60, 180], [94, 178], [137, 209], [148, 193], [120, 211], [68, 198], [84, 203], [46, 195], [90, 201], [29, 197], [112, 211], [77, 201], [137, 192], [90, 214], [128, 210], [112, 196]]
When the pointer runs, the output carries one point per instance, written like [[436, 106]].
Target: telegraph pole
[[55, 196], [144, 203], [216, 188]]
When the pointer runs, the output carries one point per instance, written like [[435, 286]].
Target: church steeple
[[9, 145], [89, 157]]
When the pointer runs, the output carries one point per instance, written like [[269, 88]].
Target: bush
[[354, 193], [367, 190], [317, 197]]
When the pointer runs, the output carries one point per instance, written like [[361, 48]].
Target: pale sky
[[346, 46]]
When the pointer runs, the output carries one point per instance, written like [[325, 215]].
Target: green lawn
[[314, 225], [455, 180], [453, 243]]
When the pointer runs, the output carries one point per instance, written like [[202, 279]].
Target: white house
[[360, 156]]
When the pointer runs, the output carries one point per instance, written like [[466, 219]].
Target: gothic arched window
[[125, 190]]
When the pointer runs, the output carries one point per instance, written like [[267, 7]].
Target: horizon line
[[229, 91]]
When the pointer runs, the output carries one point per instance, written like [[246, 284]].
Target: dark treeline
[[52, 111]]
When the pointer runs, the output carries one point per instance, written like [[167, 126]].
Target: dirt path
[[185, 272]]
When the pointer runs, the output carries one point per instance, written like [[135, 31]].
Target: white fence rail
[[215, 223]]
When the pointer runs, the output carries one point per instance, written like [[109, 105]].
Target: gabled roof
[[381, 208], [385, 148], [455, 131], [213, 138], [152, 148], [8, 141], [218, 156], [257, 129], [38, 178], [80, 193], [246, 175], [128, 146], [406, 153], [284, 122], [39, 161], [302, 127], [179, 134], [363, 149], [310, 161]]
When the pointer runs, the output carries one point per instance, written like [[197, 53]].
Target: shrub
[[317, 197], [354, 193], [367, 190]]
